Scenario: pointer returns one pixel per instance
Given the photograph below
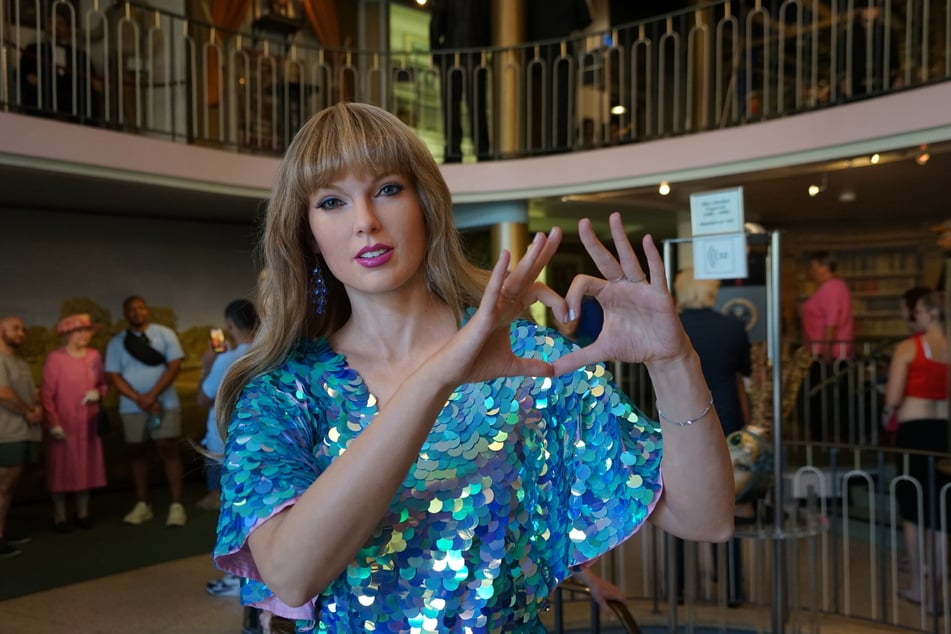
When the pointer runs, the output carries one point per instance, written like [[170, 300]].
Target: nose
[[366, 220]]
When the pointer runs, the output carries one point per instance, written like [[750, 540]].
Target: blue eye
[[329, 203], [390, 189]]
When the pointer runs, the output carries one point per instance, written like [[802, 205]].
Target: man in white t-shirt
[[142, 362]]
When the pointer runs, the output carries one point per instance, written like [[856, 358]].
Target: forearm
[[301, 550], [828, 341], [203, 399], [123, 386], [50, 415], [13, 403], [166, 379], [698, 475]]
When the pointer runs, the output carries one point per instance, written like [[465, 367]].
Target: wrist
[[673, 368]]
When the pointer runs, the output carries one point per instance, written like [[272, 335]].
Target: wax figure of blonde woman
[[917, 396], [402, 449], [73, 385]]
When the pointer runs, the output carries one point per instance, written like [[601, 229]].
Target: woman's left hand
[[640, 319]]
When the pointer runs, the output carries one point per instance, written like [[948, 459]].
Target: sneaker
[[17, 540], [8, 550], [176, 515], [227, 578], [227, 586], [141, 512]]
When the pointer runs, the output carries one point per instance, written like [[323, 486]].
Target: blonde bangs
[[341, 140]]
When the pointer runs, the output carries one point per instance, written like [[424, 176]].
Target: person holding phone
[[241, 321]]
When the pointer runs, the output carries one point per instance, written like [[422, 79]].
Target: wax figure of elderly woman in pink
[[73, 385]]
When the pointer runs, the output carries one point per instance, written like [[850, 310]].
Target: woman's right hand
[[482, 349]]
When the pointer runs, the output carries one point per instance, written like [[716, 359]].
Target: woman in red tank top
[[917, 397]]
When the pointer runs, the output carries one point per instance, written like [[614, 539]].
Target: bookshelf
[[877, 276]]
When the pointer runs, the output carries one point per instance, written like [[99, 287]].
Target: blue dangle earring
[[318, 290]]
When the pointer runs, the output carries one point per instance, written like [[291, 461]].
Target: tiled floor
[[170, 598]]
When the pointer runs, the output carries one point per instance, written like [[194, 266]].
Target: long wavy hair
[[342, 138]]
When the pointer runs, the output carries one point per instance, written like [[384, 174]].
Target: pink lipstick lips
[[374, 255]]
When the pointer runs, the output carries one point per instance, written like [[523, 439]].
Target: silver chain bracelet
[[689, 421]]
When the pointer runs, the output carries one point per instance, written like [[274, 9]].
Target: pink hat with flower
[[79, 321]]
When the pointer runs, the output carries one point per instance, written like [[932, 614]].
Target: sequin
[[520, 479]]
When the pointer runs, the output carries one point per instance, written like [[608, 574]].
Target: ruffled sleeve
[[602, 464], [614, 461], [268, 464]]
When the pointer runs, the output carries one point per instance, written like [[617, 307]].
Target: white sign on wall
[[719, 257], [719, 241], [719, 211]]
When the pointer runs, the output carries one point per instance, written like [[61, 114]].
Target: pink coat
[[75, 463]]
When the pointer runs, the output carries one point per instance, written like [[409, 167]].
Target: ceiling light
[[618, 110], [923, 155], [847, 196], [664, 188], [421, 3], [875, 158], [815, 189]]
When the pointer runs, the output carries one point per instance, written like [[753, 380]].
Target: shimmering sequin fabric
[[519, 480]]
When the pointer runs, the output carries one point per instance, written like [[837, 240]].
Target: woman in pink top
[[73, 385], [917, 397]]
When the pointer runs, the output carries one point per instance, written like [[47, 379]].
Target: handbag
[[103, 426]]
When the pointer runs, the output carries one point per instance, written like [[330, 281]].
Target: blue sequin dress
[[520, 479]]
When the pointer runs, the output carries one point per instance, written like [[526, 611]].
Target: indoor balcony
[[724, 88]]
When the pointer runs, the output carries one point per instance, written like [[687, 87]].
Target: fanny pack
[[140, 349]]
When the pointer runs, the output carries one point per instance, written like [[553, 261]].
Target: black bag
[[103, 426], [138, 346]]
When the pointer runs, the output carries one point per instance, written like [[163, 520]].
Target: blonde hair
[[694, 293], [342, 138]]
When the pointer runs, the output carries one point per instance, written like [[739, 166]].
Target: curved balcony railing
[[718, 64]]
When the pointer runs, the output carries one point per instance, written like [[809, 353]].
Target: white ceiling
[[856, 192], [895, 189]]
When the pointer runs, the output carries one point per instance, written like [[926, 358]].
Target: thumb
[[578, 359], [533, 367]]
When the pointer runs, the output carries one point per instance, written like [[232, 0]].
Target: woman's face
[[922, 316], [370, 231], [79, 338]]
